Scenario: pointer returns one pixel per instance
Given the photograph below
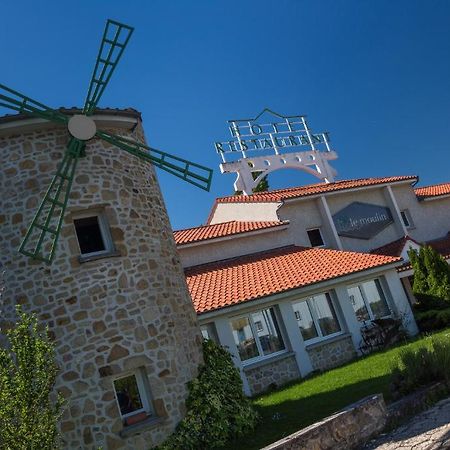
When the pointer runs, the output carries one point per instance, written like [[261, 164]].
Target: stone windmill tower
[[98, 263]]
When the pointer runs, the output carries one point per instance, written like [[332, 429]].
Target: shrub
[[431, 284], [28, 416], [417, 367], [217, 410], [433, 319]]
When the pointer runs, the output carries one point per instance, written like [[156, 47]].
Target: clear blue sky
[[375, 74]]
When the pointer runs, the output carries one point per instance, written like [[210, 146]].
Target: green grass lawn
[[298, 405]]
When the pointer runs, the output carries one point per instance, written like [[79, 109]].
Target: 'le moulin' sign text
[[362, 220], [284, 131]]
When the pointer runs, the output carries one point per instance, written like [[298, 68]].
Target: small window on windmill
[[133, 399], [93, 235]]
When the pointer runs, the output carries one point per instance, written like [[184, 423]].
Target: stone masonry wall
[[275, 373], [326, 356], [345, 430], [107, 316]]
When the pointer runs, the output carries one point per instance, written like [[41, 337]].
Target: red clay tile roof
[[393, 248], [311, 189], [217, 230], [229, 282], [435, 190]]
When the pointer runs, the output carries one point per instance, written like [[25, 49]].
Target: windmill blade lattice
[[22, 104], [115, 39], [42, 235], [191, 172]]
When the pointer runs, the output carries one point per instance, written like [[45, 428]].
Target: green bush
[[433, 319], [28, 416], [217, 410], [431, 284], [417, 367]]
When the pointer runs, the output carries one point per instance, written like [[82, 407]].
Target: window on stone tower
[[93, 235], [132, 397]]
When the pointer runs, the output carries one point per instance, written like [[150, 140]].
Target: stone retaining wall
[[345, 430], [333, 354], [276, 373]]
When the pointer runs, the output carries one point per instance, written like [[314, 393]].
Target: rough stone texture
[[429, 430], [414, 403], [272, 374], [333, 354], [109, 315], [344, 430]]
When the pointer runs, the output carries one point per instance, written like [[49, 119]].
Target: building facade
[[289, 279], [115, 298]]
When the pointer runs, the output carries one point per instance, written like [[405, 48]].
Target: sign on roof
[[269, 142], [270, 133], [362, 220]]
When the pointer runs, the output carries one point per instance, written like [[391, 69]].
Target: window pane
[[405, 219], [315, 237], [244, 339], [128, 394], [376, 299], [268, 332], [358, 303], [209, 332], [205, 333], [326, 315], [89, 235], [304, 320]]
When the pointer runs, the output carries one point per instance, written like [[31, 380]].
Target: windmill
[[41, 238]]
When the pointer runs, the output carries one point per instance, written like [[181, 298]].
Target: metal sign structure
[[270, 142], [362, 220]]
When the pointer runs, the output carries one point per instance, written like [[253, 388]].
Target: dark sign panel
[[362, 220]]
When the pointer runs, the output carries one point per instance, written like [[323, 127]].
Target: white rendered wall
[[244, 212], [240, 244], [431, 218]]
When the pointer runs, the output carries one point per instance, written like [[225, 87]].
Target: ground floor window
[[257, 334], [316, 317], [368, 300], [209, 332], [132, 396]]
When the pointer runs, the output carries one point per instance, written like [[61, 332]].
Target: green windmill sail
[[41, 238]]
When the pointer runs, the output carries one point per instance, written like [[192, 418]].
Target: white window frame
[[366, 301], [321, 235], [104, 232], [312, 309], [143, 393], [404, 214], [261, 355]]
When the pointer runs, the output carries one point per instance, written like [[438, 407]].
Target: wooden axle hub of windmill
[[82, 127]]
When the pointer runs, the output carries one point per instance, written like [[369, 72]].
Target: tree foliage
[[262, 186], [217, 410], [28, 414], [431, 278]]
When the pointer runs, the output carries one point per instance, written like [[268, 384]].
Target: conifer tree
[[431, 277]]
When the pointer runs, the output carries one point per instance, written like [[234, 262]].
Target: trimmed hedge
[[433, 319]]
